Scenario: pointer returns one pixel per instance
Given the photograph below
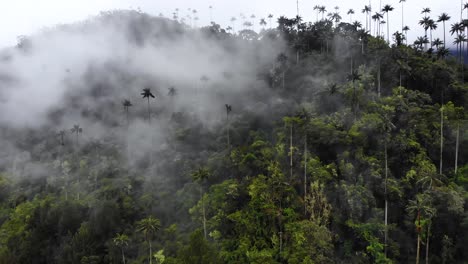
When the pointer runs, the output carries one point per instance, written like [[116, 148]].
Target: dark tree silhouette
[[147, 94]]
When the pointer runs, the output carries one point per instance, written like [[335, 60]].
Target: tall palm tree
[[263, 23], [424, 22], [233, 20], [77, 130], [200, 176], [443, 18], [147, 94], [437, 43], [406, 29], [459, 40], [148, 226], [402, 14], [172, 91], [127, 104], [61, 134], [367, 10], [387, 9], [432, 26], [350, 13], [323, 10], [422, 208], [377, 17], [426, 11], [228, 111], [316, 9], [121, 241], [270, 16]]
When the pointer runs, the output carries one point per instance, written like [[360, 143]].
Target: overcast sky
[[24, 17]]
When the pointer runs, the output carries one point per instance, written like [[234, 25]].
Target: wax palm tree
[[442, 53], [387, 9], [443, 18], [323, 10], [121, 241], [77, 130], [228, 111], [406, 29], [350, 13], [402, 14], [357, 25], [147, 94], [426, 11], [316, 9], [172, 91], [437, 43], [432, 26], [200, 177], [422, 208], [459, 40], [263, 23], [148, 226], [424, 22], [61, 134], [127, 104], [270, 16], [367, 11], [377, 17], [233, 20], [353, 77]]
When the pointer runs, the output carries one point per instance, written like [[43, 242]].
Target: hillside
[[128, 138]]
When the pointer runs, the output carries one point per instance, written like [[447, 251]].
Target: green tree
[[121, 241], [149, 226]]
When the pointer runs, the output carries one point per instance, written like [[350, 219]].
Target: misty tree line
[[358, 158]]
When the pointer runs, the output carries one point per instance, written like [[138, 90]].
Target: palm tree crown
[[147, 93]]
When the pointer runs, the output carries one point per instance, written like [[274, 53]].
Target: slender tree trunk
[[386, 199], [227, 130], [305, 173], [150, 253], [427, 242], [443, 22], [203, 211], [402, 15], [441, 138], [419, 237], [378, 80], [291, 150], [418, 248], [149, 113], [123, 255], [457, 146], [388, 30]]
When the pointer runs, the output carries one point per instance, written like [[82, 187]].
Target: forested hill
[[128, 138]]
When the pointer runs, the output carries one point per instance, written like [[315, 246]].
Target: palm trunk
[[228, 138], [305, 173], [291, 150], [457, 146], [441, 138], [123, 256], [418, 247], [203, 212], [388, 30], [427, 242], [419, 237], [149, 113], [378, 80], [443, 22], [386, 199], [150, 253]]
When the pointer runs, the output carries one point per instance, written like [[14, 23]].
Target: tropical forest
[[131, 138]]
